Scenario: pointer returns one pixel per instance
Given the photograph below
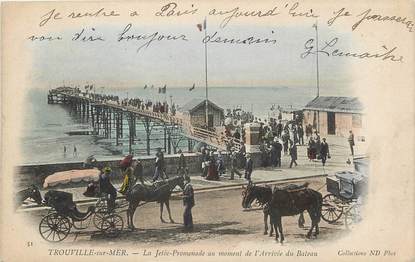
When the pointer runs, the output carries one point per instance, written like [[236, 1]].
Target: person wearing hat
[[248, 167], [90, 162], [106, 187], [182, 168], [212, 169], [205, 161], [138, 171], [128, 171], [159, 170], [220, 164], [293, 154], [350, 139], [300, 134], [324, 151], [189, 203], [234, 166]]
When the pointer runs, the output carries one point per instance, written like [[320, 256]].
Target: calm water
[[45, 136]]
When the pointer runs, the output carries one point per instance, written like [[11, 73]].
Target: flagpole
[[317, 51], [318, 78], [206, 75]]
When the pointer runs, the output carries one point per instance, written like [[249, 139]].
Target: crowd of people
[[157, 107], [214, 166], [277, 140], [239, 116]]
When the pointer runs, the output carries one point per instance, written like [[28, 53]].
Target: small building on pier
[[195, 111], [332, 115]]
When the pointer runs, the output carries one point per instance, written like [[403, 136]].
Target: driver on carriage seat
[[106, 186]]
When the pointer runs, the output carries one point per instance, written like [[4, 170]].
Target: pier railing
[[211, 138]]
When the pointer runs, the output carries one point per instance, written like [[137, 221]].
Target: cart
[[64, 216], [346, 192]]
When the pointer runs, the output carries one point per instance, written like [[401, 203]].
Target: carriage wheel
[[352, 216], [331, 212], [99, 217], [101, 203], [54, 227], [112, 225]]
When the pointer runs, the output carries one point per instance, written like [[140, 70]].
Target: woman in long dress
[[129, 180], [312, 149], [212, 169]]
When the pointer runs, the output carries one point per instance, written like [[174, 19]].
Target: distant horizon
[[174, 86]]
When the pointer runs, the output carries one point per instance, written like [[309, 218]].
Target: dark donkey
[[292, 201], [30, 192], [263, 195], [159, 192]]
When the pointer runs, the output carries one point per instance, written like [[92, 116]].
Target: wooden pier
[[112, 120]]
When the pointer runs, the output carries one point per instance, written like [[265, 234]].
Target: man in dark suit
[[293, 154], [248, 167], [278, 148], [138, 171], [188, 202], [300, 135], [324, 151], [160, 167], [351, 141], [234, 166], [279, 129], [182, 166], [106, 187]]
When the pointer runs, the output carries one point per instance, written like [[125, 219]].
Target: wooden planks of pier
[[113, 121]]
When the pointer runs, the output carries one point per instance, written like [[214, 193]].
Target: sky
[[181, 63]]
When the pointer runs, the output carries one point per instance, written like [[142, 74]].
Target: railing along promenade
[[209, 137]]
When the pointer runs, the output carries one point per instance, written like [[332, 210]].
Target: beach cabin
[[195, 111], [333, 115]]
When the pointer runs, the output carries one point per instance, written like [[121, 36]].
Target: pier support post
[[98, 115], [165, 138], [105, 121], [83, 110], [109, 122], [121, 124], [93, 117], [189, 145], [169, 141], [131, 132], [87, 111], [117, 126], [148, 128]]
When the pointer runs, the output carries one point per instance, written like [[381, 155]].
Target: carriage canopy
[[71, 176]]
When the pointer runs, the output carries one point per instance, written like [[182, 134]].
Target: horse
[[30, 192], [158, 192], [263, 195], [289, 202]]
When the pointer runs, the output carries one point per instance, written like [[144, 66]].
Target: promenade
[[339, 151]]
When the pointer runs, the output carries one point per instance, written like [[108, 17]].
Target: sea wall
[[36, 173]]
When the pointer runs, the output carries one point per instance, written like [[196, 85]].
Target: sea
[[46, 125]]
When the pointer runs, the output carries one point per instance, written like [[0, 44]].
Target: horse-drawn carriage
[[346, 191], [64, 215]]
